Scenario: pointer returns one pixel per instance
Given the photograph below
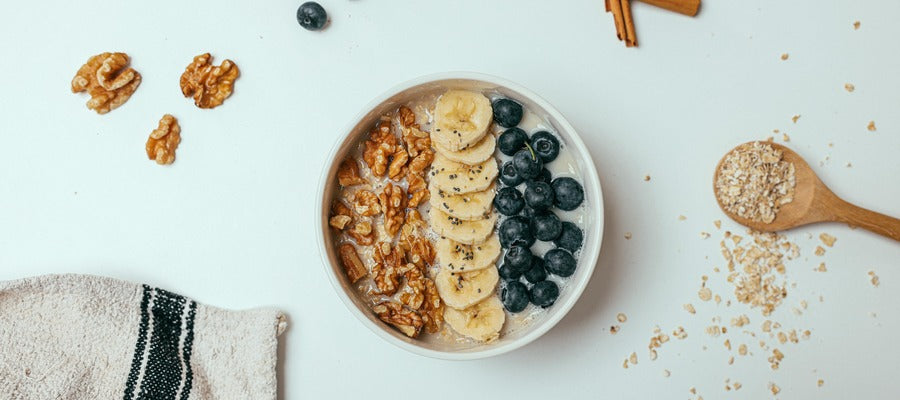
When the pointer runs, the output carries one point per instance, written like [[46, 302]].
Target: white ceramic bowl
[[390, 101]]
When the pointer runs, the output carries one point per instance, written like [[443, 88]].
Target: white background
[[231, 222]]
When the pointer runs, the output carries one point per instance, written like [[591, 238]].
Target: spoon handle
[[869, 220]]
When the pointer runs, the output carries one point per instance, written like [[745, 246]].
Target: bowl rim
[[591, 251]]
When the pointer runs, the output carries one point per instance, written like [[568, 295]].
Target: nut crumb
[[827, 239], [871, 126], [849, 87]]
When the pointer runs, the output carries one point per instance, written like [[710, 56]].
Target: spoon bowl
[[813, 202]]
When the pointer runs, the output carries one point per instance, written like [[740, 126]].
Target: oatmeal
[[754, 181]]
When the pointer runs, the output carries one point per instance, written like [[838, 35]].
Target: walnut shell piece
[[209, 85], [164, 140], [109, 81], [352, 264]]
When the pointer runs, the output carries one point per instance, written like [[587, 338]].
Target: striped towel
[[88, 337]]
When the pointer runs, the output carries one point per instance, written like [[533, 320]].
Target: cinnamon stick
[[686, 7], [616, 8], [630, 37], [607, 5]]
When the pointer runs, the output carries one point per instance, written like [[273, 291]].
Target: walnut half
[[164, 140], [406, 320], [207, 84], [108, 79]]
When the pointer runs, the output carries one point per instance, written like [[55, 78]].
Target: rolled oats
[[754, 182], [827, 239]]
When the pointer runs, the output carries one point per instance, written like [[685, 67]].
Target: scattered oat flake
[[633, 358], [689, 308], [775, 359], [613, 329], [784, 56], [849, 165], [754, 181], [742, 349], [874, 279], [827, 239], [740, 321], [820, 251], [704, 235], [737, 385], [713, 330], [785, 137], [821, 268], [682, 218], [667, 374], [821, 382], [718, 224], [621, 317], [849, 87], [705, 294], [646, 178], [627, 235], [774, 388], [795, 118], [871, 126]]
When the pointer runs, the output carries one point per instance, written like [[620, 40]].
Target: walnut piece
[[397, 168], [413, 294], [389, 263], [348, 173], [108, 80], [418, 190], [432, 308], [340, 221], [381, 145], [366, 203], [393, 204], [209, 85], [352, 264], [407, 321], [164, 140], [362, 232]]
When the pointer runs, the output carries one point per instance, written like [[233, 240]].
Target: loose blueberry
[[312, 16], [515, 297], [560, 262], [509, 175], [527, 164], [570, 238], [507, 113], [568, 193], [537, 272], [544, 293], [544, 176], [511, 141], [545, 145], [547, 227], [516, 231], [509, 201], [508, 273], [538, 195], [518, 258]]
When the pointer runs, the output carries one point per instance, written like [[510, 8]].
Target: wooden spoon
[[814, 202]]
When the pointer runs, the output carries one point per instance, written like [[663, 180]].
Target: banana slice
[[466, 206], [467, 232], [458, 178], [463, 289], [474, 154], [458, 257], [481, 322], [461, 118]]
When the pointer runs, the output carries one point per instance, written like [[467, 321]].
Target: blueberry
[[527, 164], [547, 227], [544, 293], [560, 262], [508, 273], [537, 272], [545, 145], [509, 175], [516, 231], [509, 201], [531, 213], [507, 113], [312, 16], [511, 141], [514, 297], [539, 195], [569, 193], [570, 238], [544, 176], [518, 258]]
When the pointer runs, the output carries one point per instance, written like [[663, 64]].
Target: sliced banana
[[461, 118], [458, 178], [459, 257], [474, 154], [482, 321], [467, 206], [467, 232], [463, 289]]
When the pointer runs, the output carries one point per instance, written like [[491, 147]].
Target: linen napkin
[[89, 337]]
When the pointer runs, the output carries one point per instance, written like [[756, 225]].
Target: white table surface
[[230, 223]]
